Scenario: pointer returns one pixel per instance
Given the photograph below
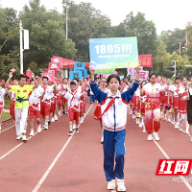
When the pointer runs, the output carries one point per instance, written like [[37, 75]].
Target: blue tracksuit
[[114, 123]]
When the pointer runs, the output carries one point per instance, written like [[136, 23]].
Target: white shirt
[[34, 98], [48, 93], [2, 94], [73, 100]]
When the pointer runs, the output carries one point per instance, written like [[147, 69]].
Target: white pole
[[175, 68], [66, 21], [21, 47]]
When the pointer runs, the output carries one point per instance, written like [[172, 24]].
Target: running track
[[51, 161]]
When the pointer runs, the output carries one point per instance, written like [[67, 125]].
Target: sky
[[166, 14]]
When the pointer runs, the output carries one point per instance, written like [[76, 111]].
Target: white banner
[[143, 75]]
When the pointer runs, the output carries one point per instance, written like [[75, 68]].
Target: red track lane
[[80, 167], [21, 170]]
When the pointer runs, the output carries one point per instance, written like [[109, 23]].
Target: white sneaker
[[137, 121], [156, 136], [133, 116], [32, 132], [121, 185], [39, 129], [165, 118], [45, 126], [169, 120], [24, 138], [150, 137], [111, 184], [140, 125], [19, 137], [177, 125], [173, 122], [102, 139], [52, 120], [0, 127], [144, 131], [191, 139], [56, 118], [81, 121], [74, 126]]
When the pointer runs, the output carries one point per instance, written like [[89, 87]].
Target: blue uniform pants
[[92, 98], [114, 145]]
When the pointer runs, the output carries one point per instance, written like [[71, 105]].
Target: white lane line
[[3, 156], [164, 153], [55, 160], [6, 129]]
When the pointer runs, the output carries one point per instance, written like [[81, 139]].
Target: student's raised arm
[[127, 95], [36, 84], [8, 81], [100, 95]]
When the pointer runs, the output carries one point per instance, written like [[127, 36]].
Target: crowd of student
[[149, 101], [35, 98]]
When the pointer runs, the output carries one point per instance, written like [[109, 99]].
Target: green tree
[[86, 22], [9, 30], [172, 39], [145, 32], [47, 36]]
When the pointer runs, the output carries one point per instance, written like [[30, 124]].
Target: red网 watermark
[[174, 167]]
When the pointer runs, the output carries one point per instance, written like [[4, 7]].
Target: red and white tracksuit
[[2, 94], [12, 104], [152, 106], [35, 103], [46, 100], [73, 105]]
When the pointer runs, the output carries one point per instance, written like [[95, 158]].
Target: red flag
[[3, 82], [13, 70], [28, 73]]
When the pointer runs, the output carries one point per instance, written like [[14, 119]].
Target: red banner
[[52, 70], [51, 76], [54, 65], [65, 63], [146, 61]]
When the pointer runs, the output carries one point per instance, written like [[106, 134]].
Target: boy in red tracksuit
[[73, 97]]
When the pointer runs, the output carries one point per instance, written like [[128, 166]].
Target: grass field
[[7, 102], [5, 115]]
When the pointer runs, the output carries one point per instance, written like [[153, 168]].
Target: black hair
[[22, 76], [168, 78], [113, 76], [65, 78], [31, 80], [15, 79], [73, 83], [185, 78], [177, 78], [152, 75], [76, 79], [142, 83], [44, 77]]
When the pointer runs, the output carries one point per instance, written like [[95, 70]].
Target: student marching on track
[[13, 98], [153, 91], [73, 97], [3, 93], [65, 90], [114, 116], [34, 107], [21, 104], [189, 110], [175, 89], [182, 109], [46, 101]]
